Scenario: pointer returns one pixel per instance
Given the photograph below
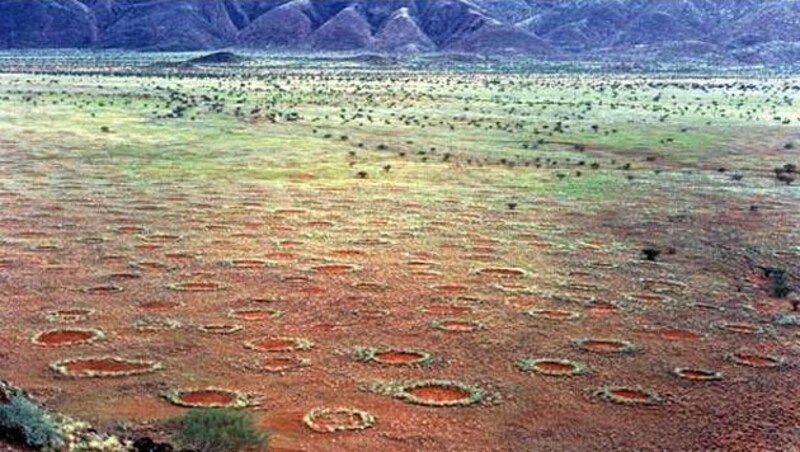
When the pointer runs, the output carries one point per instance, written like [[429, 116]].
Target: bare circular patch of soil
[[502, 272], [629, 396], [210, 398], [68, 337], [450, 289], [693, 374], [555, 315], [348, 253], [102, 290], [334, 269], [104, 367], [254, 315], [198, 287], [553, 367], [332, 420], [649, 298], [393, 356], [421, 265], [277, 364], [279, 344], [605, 346], [439, 393], [756, 360], [742, 328], [281, 256], [220, 329], [672, 334], [458, 325], [249, 264]]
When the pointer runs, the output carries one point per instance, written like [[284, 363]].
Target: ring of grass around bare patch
[[756, 360], [249, 264], [254, 315], [672, 334], [450, 289], [153, 324], [693, 374], [439, 393], [742, 328], [220, 329], [515, 289], [502, 272], [277, 364], [553, 367], [447, 310], [422, 265], [455, 325], [104, 367], [69, 315], [629, 396], [198, 287], [663, 286], [210, 398], [102, 290], [332, 420], [648, 298], [161, 305], [604, 346], [392, 356], [279, 344], [554, 315], [334, 269], [68, 337]]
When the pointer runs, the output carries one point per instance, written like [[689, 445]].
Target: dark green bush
[[23, 421], [219, 430]]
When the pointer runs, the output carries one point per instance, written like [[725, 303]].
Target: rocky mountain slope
[[745, 29]]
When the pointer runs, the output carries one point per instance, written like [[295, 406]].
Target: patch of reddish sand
[[555, 367], [439, 394], [630, 395], [110, 366], [274, 345], [604, 346], [65, 337], [333, 269], [398, 357], [207, 397]]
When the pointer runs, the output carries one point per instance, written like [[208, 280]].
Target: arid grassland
[[471, 260]]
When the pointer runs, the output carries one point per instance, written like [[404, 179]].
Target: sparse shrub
[[24, 422], [651, 253], [778, 285], [105, 129], [219, 430], [362, 175]]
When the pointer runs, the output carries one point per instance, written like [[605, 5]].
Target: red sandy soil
[[104, 365], [386, 303]]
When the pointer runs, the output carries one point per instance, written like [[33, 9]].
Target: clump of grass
[[651, 253], [219, 430], [24, 422], [778, 284]]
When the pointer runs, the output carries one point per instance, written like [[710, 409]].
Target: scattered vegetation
[[220, 430], [24, 422]]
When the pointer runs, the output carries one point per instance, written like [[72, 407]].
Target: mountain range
[[748, 30]]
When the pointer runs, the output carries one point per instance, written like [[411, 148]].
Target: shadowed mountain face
[[537, 27]]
